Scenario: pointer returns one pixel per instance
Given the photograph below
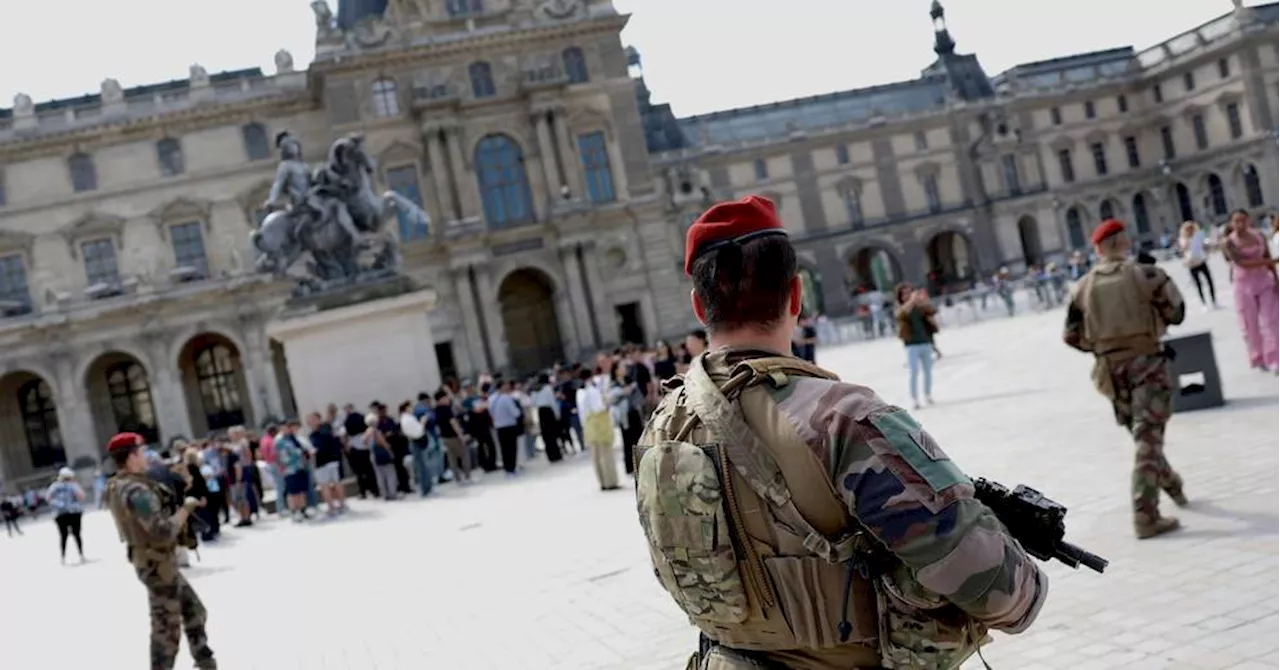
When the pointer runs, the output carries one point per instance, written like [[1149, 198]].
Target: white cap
[[66, 473]]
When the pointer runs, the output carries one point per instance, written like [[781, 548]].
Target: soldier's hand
[[190, 504]]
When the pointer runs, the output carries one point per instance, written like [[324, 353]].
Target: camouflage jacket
[[1166, 300], [896, 484], [139, 514]]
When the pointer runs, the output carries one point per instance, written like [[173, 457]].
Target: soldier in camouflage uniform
[[1118, 312], [800, 521], [151, 536]]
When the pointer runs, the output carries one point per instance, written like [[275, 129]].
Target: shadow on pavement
[[196, 570], [1253, 523]]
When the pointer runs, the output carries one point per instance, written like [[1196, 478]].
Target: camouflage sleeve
[[146, 508], [912, 498], [1073, 328], [1166, 297]]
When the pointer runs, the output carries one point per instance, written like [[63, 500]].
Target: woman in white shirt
[[597, 427], [1192, 243]]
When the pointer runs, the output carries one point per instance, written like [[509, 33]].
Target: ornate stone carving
[[559, 10], [112, 93], [199, 77], [284, 62], [326, 27], [22, 105]]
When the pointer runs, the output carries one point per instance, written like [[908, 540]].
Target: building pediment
[[12, 240], [399, 151], [91, 225], [181, 210]]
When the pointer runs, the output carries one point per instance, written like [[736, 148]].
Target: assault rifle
[[1036, 522]]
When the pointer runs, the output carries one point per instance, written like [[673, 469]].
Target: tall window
[[219, 393], [1065, 167], [842, 154], [188, 247], [1106, 211], [1252, 186], [504, 184], [1189, 81], [13, 285], [1131, 151], [169, 152], [386, 103], [1224, 68], [1012, 180], [762, 169], [922, 141], [131, 400], [1099, 151], [595, 165], [1089, 110], [100, 261], [1075, 229], [931, 194], [575, 65], [1201, 133], [1183, 196], [256, 146], [84, 176], [852, 203], [1140, 217], [1233, 120], [1157, 93], [2, 195], [40, 423], [1217, 196], [464, 7], [1122, 103], [481, 80], [1055, 115], [1166, 140], [404, 180]]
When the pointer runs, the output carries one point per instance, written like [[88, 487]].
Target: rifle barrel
[[1074, 556]]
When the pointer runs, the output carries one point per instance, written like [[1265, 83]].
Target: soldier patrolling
[[800, 521], [151, 536], [1118, 312]]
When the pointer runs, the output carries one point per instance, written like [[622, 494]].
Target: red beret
[[730, 222], [1107, 229], [123, 441]]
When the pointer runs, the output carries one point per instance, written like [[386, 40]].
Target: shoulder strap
[[752, 458]]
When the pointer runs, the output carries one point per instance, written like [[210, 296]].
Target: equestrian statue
[[331, 214]]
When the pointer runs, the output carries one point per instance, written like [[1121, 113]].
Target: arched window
[[219, 392], [481, 79], [84, 176], [1252, 186], [131, 400], [385, 102], [40, 423], [1075, 229], [1183, 195], [504, 184], [575, 65], [169, 153], [1140, 217], [256, 146], [1217, 196], [1106, 210]]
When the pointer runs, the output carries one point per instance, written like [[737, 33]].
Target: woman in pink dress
[[1255, 290]]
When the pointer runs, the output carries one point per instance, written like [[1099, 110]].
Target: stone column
[[437, 156], [546, 151], [473, 336], [569, 157], [492, 318], [171, 404], [468, 191], [577, 299], [595, 289], [75, 415], [260, 373]]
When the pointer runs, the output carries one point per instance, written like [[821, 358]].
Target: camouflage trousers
[[1143, 403], [175, 608]]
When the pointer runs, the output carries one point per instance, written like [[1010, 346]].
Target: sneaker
[[1161, 526]]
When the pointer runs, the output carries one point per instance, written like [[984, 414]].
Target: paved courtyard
[[548, 572]]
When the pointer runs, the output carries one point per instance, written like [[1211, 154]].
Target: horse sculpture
[[334, 218]]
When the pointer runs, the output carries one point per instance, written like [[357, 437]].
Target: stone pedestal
[[380, 349]]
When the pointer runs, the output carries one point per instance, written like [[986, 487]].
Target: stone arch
[[951, 258], [214, 382], [527, 301], [1029, 237], [184, 336], [120, 389], [876, 264], [1110, 208], [30, 430]]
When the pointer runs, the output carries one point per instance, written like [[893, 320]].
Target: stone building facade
[[558, 195]]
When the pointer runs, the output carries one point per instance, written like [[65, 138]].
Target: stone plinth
[[380, 349]]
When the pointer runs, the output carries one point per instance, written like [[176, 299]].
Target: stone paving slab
[[548, 572]]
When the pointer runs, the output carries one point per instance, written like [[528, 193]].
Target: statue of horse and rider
[[331, 213]]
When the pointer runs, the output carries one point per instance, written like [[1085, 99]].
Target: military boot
[[1179, 498], [1165, 524]]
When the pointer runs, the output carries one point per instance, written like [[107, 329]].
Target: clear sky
[[699, 55]]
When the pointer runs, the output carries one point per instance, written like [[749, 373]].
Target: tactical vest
[[140, 544], [748, 535], [1120, 321]]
